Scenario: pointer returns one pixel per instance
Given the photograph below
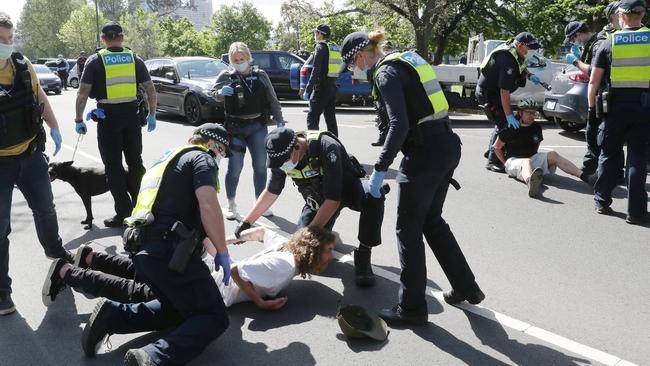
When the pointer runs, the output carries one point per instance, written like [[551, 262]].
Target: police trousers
[[323, 101]]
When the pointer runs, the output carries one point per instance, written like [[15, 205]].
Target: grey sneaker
[[137, 357], [6, 304], [535, 182]]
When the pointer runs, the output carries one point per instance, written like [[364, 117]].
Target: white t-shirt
[[269, 271]]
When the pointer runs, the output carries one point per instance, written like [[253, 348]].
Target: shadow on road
[[93, 234]]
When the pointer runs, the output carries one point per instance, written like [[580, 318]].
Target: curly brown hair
[[306, 246]]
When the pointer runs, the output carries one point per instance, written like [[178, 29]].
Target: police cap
[[279, 144], [356, 322], [571, 29], [611, 9], [528, 39], [112, 28], [631, 6], [352, 43], [216, 132], [325, 29]]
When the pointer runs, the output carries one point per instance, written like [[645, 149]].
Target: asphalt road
[[564, 285]]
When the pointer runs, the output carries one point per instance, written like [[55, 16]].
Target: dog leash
[[79, 137]]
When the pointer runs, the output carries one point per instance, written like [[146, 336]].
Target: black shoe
[[137, 357], [377, 143], [606, 210], [636, 220], [453, 297], [96, 330], [535, 182], [65, 255], [115, 221], [363, 275], [495, 167], [80, 256], [399, 315], [7, 306], [53, 283]]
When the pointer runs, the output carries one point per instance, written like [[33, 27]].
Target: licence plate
[[550, 105]]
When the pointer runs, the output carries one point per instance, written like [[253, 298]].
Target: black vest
[[20, 115], [249, 97]]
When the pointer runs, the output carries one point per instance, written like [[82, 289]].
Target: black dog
[[87, 182]]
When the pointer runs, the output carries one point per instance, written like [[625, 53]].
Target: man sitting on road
[[518, 149], [262, 276]]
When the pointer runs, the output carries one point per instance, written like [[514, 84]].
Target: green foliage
[[39, 23], [79, 33], [180, 38], [142, 33], [114, 9], [233, 23]]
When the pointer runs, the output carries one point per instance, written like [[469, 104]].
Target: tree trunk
[[422, 36], [441, 43]]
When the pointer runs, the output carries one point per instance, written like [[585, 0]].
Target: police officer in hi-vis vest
[[623, 60], [321, 88], [329, 180], [420, 128], [177, 208], [111, 76]]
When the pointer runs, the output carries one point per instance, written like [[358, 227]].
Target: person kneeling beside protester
[[518, 149], [257, 278]]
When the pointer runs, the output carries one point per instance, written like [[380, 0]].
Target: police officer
[[23, 106], [328, 179], [111, 77], [180, 190], [81, 62], [504, 71], [578, 33], [622, 60], [62, 70], [321, 88], [420, 128]]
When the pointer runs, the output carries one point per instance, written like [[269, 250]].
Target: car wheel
[[193, 110], [74, 82], [57, 92], [569, 126]]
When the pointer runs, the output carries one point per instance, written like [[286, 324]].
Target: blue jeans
[[189, 302], [29, 173], [250, 134]]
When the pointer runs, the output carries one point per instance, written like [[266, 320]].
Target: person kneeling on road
[[518, 149], [259, 278], [328, 179]]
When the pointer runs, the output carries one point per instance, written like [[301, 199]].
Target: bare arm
[[594, 83], [264, 202], [582, 66], [82, 98], [498, 150], [505, 101], [212, 217], [249, 290], [252, 234], [48, 113], [152, 97], [325, 213]]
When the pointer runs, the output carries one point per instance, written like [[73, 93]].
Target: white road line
[[505, 320], [352, 126], [548, 147]]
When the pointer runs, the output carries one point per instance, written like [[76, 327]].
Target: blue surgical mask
[[288, 166], [6, 50], [241, 67]]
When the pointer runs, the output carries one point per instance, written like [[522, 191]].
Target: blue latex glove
[[374, 183], [226, 91], [512, 121], [280, 123], [575, 50], [96, 114], [306, 96], [223, 260], [535, 79], [151, 122], [56, 137], [80, 127], [571, 58]]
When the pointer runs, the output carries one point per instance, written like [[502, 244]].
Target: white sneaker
[[231, 213], [267, 213]]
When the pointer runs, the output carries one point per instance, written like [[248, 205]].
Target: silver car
[[566, 103], [50, 82]]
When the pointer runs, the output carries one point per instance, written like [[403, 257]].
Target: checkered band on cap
[[350, 54], [273, 155], [214, 136]]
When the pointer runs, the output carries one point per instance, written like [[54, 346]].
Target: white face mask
[[287, 166], [6, 50], [359, 73], [241, 67]]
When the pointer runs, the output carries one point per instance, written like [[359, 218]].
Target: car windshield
[[201, 68], [42, 69]]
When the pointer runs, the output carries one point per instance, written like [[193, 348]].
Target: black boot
[[362, 268]]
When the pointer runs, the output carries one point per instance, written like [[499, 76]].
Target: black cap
[[353, 43], [325, 29], [571, 29], [215, 132], [528, 39], [628, 6], [279, 144], [113, 28], [611, 9]]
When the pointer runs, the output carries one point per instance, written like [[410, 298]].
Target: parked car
[[347, 93], [183, 85], [73, 77], [566, 103], [50, 82], [277, 64]]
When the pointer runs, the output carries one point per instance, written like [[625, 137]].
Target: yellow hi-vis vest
[[631, 59], [313, 168], [334, 63], [509, 49], [141, 214], [427, 77], [120, 75]]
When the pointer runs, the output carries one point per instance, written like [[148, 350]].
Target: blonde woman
[[249, 100]]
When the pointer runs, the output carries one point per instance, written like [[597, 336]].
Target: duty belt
[[431, 127]]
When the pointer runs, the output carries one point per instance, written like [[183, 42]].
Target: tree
[[243, 22], [166, 7], [114, 9], [79, 32], [179, 38], [142, 33], [39, 23]]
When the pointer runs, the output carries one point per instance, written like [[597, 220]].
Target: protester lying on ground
[[258, 278], [518, 151]]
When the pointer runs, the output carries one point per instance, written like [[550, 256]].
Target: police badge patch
[[509, 72], [332, 157]]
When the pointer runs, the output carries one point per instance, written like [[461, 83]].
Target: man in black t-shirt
[[518, 149]]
